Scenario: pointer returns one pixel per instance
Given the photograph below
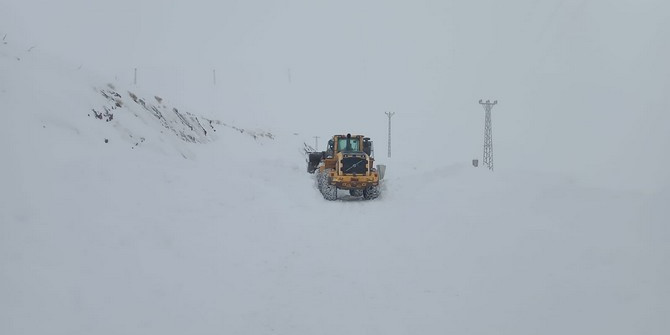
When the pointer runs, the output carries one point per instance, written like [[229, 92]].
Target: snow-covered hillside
[[142, 209]]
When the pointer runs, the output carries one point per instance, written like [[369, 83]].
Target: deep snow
[[230, 235]]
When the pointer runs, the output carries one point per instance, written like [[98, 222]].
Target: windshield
[[353, 145]]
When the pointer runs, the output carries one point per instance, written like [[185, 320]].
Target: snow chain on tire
[[371, 192], [328, 190]]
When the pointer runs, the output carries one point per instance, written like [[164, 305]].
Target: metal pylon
[[389, 144], [488, 138]]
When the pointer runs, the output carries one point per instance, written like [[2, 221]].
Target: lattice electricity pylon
[[389, 115], [488, 138]]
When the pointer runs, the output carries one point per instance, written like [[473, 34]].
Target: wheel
[[356, 193], [329, 192], [320, 179], [371, 192]]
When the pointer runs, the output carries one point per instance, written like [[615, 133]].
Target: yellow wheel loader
[[347, 164]]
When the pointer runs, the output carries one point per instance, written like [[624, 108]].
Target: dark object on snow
[[314, 160]]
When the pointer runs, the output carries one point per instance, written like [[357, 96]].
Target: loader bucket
[[313, 161]]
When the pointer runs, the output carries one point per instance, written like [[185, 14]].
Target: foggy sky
[[581, 84]]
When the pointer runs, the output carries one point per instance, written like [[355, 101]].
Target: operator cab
[[348, 144]]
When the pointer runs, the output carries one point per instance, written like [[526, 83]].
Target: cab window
[[354, 145]]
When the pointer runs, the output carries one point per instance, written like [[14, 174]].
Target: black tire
[[356, 193], [320, 179], [371, 192], [328, 190]]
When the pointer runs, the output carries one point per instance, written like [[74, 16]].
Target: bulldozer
[[347, 164]]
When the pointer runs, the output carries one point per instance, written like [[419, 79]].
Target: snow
[[227, 234]]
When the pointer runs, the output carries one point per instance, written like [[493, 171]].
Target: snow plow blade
[[314, 159]]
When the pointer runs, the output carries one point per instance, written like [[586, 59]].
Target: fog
[[581, 84], [189, 210]]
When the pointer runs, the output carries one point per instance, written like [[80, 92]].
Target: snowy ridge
[[256, 134], [185, 126], [67, 101]]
